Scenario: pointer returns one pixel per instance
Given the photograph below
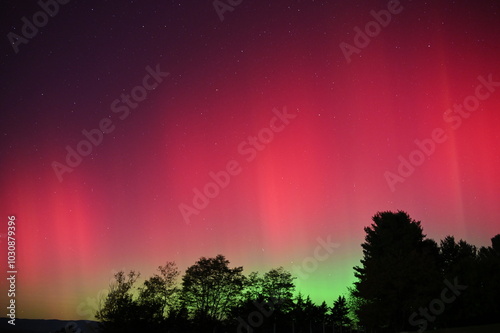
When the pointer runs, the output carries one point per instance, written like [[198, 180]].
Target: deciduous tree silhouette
[[119, 313], [278, 287], [159, 294], [253, 287], [210, 288]]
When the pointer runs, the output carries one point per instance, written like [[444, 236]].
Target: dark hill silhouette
[[46, 326]]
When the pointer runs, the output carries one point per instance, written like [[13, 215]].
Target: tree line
[[405, 282], [213, 297]]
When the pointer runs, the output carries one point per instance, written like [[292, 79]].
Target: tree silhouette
[[340, 312], [455, 255], [271, 294], [489, 291], [253, 288], [159, 294], [307, 316], [460, 261], [120, 311], [210, 288], [278, 287], [399, 271], [402, 273]]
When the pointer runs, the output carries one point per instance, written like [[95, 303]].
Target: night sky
[[116, 115]]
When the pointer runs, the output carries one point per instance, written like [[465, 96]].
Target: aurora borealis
[[282, 185]]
